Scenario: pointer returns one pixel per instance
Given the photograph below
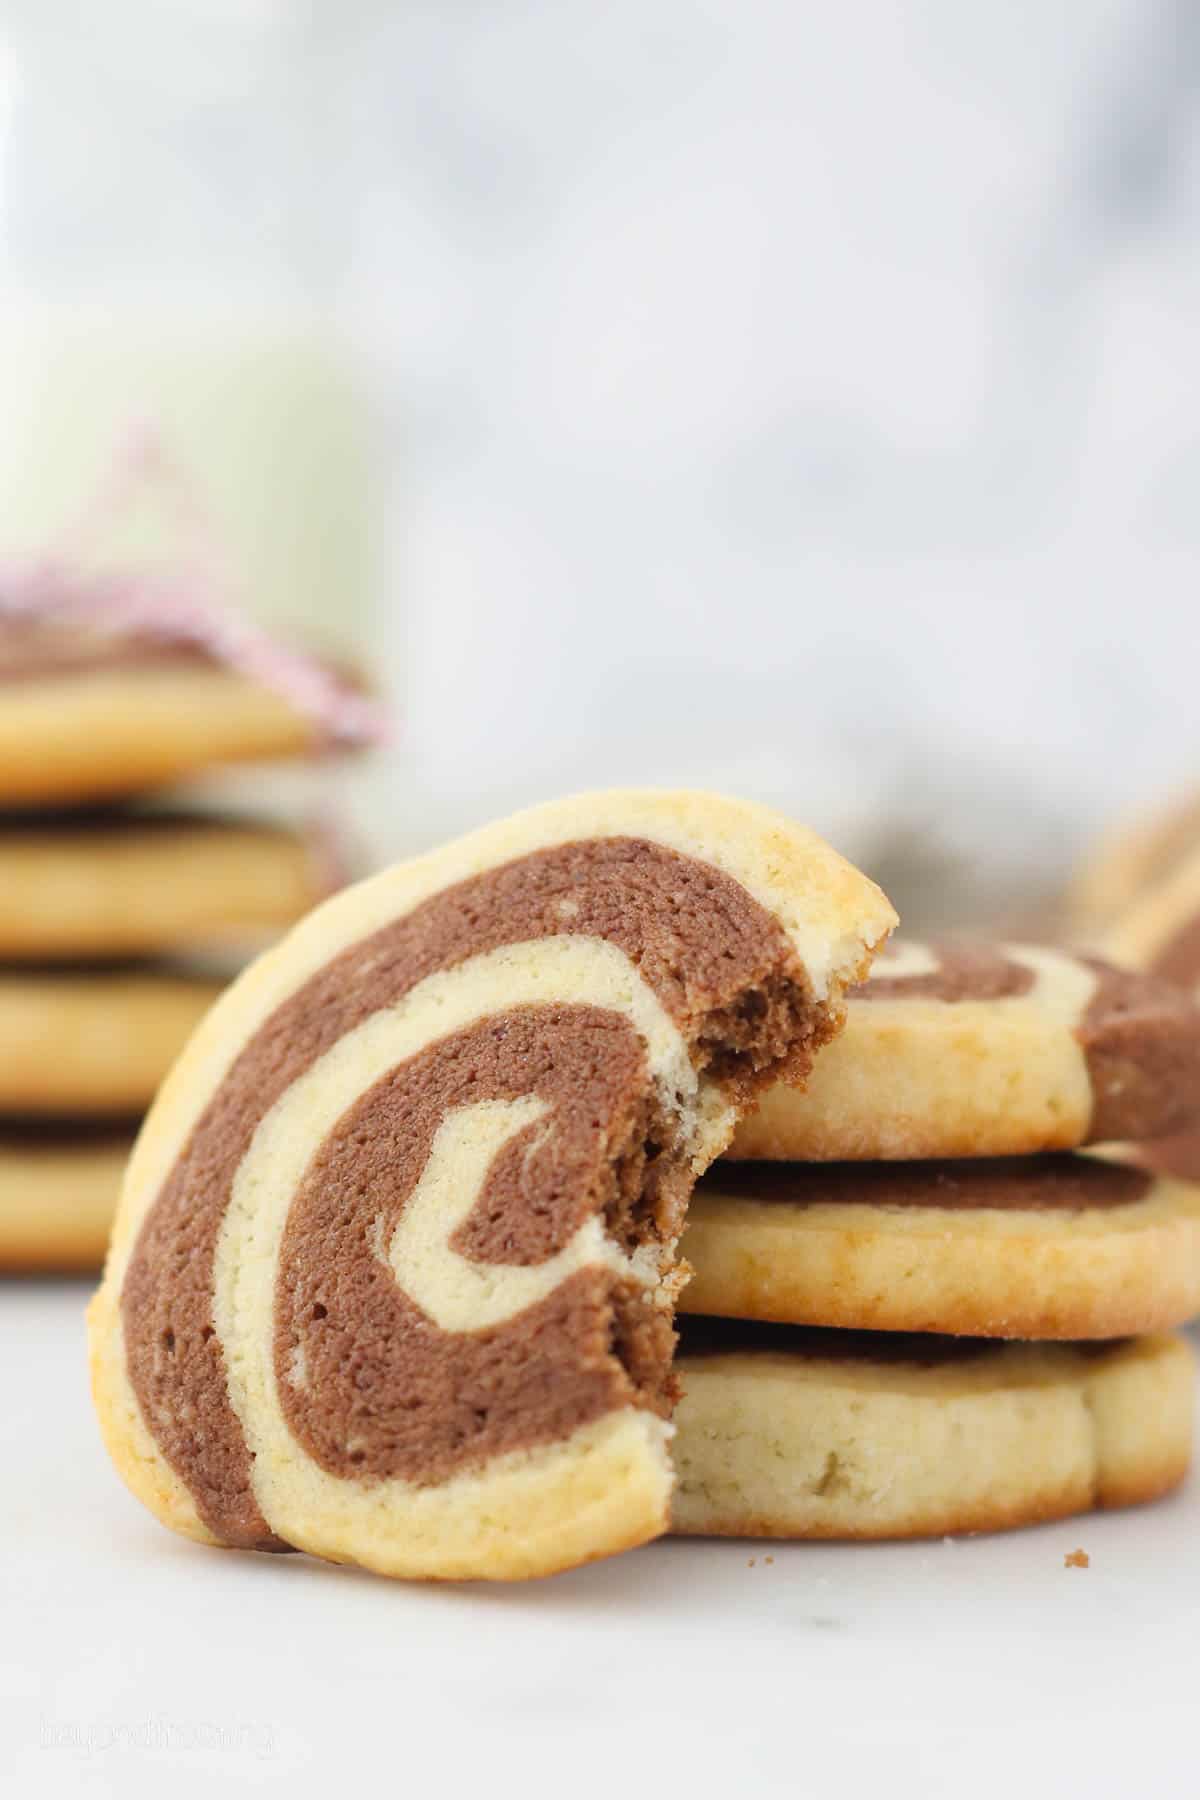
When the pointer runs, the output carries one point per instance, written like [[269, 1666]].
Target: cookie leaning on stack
[[993, 1065], [401, 1225], [109, 918]]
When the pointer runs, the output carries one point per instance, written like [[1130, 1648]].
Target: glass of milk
[[171, 246]]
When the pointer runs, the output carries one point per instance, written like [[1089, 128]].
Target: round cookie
[[789, 1434], [401, 1224], [1176, 1157], [58, 1195], [989, 1050], [1044, 1247], [93, 1041], [1161, 934], [1132, 859], [89, 715], [113, 885]]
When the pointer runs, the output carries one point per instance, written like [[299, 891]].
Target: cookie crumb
[[1077, 1559], [769, 1559], [752, 1562]]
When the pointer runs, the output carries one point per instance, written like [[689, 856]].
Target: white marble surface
[[133, 1663]]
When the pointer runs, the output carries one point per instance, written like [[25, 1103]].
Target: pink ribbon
[[178, 606]]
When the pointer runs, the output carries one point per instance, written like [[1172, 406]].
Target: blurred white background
[[796, 399]]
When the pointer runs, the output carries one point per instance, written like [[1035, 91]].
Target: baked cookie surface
[[1160, 932], [401, 1223], [1044, 1247], [94, 1041], [89, 715], [58, 1194], [1131, 860], [986, 1049], [1177, 1157], [785, 1434], [115, 885]]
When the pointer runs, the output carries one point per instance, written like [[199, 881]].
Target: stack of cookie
[[919, 1306], [120, 921], [401, 1227]]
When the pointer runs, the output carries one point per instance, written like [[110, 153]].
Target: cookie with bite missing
[[114, 885], [58, 1194], [401, 1225], [791, 1434], [93, 1042], [90, 712], [1062, 1246], [986, 1049]]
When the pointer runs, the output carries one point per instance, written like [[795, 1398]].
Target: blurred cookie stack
[[919, 1305], [123, 912]]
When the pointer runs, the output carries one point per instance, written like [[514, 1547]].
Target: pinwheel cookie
[[1132, 860], [1061, 1246], [93, 1042], [1161, 933], [400, 1228], [113, 885], [58, 1194], [90, 711], [787, 1434], [989, 1050]]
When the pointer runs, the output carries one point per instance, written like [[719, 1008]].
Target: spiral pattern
[[411, 1237], [989, 1049], [1061, 987], [1133, 1044]]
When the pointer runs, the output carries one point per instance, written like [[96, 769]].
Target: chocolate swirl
[[948, 971], [1140, 1039], [397, 1243], [1179, 958]]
